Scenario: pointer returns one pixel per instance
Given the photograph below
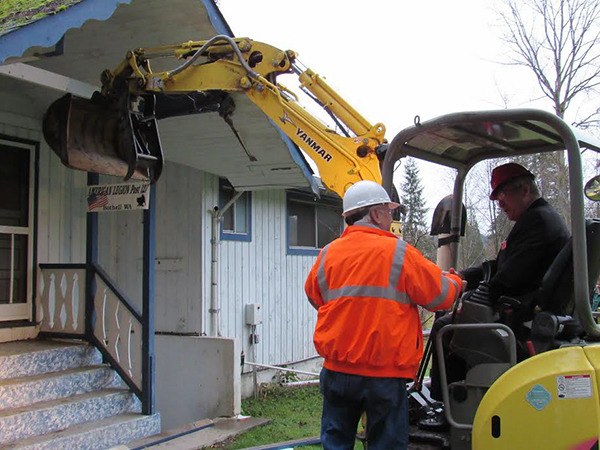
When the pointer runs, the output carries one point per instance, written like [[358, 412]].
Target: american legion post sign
[[118, 197]]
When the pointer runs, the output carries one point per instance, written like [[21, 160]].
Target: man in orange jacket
[[366, 286]]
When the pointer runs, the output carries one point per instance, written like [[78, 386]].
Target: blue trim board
[[91, 260], [216, 18], [239, 237], [49, 30], [148, 284], [302, 251]]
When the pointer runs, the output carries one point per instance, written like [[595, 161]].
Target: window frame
[[326, 201], [232, 235]]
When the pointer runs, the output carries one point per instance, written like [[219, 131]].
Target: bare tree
[[559, 41]]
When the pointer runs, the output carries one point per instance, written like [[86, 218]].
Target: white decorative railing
[[116, 326], [119, 330], [61, 299]]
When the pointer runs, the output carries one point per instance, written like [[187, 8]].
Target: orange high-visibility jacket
[[366, 286]]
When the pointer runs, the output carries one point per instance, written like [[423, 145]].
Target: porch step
[[58, 394], [27, 358], [55, 415], [101, 434], [17, 392]]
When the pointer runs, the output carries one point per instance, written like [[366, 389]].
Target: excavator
[[549, 400], [116, 132]]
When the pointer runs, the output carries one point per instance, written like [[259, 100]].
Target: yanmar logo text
[[312, 144]]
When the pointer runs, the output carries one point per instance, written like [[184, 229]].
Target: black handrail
[[118, 292]]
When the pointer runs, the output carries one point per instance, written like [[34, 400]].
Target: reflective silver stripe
[[397, 262], [386, 292], [321, 278], [389, 293], [442, 296]]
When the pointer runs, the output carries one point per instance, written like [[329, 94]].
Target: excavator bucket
[[99, 136]]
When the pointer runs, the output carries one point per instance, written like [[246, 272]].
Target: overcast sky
[[394, 59]]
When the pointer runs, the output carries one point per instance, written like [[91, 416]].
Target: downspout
[[216, 217]]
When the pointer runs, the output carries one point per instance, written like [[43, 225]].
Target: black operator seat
[[556, 321], [556, 292]]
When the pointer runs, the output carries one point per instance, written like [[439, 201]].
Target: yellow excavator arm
[[119, 123]]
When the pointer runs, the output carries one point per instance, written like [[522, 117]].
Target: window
[[312, 224], [236, 225]]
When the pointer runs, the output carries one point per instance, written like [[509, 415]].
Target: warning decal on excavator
[[538, 397], [574, 386]]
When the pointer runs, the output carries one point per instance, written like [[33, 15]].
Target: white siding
[[260, 271], [178, 247]]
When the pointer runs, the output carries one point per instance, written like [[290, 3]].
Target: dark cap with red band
[[504, 173]]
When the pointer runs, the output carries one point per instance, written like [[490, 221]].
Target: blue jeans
[[346, 397]]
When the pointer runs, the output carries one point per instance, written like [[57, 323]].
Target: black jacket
[[531, 246]]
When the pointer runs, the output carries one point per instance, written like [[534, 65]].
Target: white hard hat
[[366, 193]]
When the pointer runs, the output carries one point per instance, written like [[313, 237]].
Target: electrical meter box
[[253, 314]]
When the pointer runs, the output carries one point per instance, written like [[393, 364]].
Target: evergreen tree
[[415, 230]]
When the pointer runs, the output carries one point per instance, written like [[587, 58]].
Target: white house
[[191, 288]]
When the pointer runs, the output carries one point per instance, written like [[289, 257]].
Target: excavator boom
[[116, 131]]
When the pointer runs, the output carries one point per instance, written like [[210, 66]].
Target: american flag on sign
[[96, 201]]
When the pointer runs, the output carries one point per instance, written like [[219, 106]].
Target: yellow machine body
[[549, 401]]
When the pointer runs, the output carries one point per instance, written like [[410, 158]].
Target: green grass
[[16, 13], [295, 413]]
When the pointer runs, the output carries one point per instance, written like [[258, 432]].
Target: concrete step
[[55, 415], [100, 434], [29, 358], [23, 391]]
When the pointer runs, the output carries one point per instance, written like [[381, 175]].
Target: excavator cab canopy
[[461, 140]]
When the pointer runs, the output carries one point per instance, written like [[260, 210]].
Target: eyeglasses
[[385, 207], [509, 189]]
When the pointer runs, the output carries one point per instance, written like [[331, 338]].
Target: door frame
[[25, 311]]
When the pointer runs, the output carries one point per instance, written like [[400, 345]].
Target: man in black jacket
[[537, 236]]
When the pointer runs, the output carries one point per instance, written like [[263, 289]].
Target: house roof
[[14, 16], [52, 47]]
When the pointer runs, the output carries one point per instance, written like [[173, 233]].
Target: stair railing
[[117, 327]]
